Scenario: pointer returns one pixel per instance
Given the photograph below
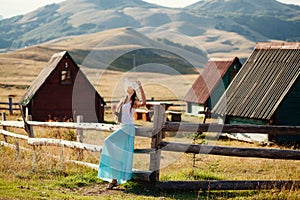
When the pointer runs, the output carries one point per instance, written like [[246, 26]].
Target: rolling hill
[[102, 34], [268, 18], [97, 52], [156, 61], [250, 21]]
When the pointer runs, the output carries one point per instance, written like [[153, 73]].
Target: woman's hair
[[133, 98]]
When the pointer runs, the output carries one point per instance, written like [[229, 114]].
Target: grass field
[[52, 178]]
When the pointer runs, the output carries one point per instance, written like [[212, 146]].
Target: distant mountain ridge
[[249, 21], [257, 8]]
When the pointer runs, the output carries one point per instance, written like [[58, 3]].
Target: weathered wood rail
[[227, 185], [10, 106], [232, 151], [232, 128], [156, 133]]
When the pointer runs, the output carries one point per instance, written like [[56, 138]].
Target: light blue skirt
[[117, 155]]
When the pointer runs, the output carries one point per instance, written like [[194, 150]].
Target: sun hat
[[134, 85]]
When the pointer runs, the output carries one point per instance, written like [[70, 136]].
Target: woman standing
[[117, 152]]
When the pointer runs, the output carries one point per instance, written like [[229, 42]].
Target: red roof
[[211, 75]]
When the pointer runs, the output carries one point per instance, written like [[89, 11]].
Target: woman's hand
[[143, 101], [139, 83], [113, 108]]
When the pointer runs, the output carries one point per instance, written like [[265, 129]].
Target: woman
[[117, 152]]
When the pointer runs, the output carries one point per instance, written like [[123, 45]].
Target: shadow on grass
[[148, 189]]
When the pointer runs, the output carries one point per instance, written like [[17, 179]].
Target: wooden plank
[[232, 128], [58, 142], [8, 108], [231, 151], [228, 185], [140, 131], [144, 151], [158, 122], [66, 143], [142, 175], [168, 126], [18, 136], [4, 127], [85, 126], [144, 131], [16, 124]]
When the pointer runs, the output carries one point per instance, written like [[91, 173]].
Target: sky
[[10, 8]]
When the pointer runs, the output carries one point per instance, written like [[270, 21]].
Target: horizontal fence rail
[[14, 135], [140, 131], [65, 143], [10, 106], [231, 151], [231, 128], [227, 185]]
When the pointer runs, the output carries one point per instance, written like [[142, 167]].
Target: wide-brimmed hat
[[132, 84]]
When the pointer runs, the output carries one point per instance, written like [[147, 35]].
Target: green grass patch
[[190, 174], [35, 189], [80, 180]]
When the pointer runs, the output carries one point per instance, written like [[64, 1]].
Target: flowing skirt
[[117, 155]]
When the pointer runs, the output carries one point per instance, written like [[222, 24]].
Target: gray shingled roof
[[262, 83]]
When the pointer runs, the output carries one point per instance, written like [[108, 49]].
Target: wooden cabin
[[61, 92], [211, 83], [266, 90]]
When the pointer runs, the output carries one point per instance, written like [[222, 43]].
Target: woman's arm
[[143, 101], [113, 108]]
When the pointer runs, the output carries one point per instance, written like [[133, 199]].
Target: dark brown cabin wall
[[54, 99], [49, 96]]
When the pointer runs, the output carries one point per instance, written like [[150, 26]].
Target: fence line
[[231, 151], [65, 143], [10, 105], [231, 128], [228, 185], [156, 133], [17, 136]]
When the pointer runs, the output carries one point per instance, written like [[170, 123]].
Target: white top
[[127, 116]]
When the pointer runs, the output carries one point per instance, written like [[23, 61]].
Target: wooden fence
[[156, 133], [10, 106]]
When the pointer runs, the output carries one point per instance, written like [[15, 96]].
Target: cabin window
[[66, 77]]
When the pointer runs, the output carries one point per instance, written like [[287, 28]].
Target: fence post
[[10, 106], [158, 122], [29, 129], [4, 127], [79, 132]]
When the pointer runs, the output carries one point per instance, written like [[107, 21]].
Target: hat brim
[[133, 85]]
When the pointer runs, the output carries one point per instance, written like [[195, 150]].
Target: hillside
[[249, 21], [268, 18], [106, 50], [257, 8]]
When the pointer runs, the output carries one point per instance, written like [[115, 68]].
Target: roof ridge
[[221, 59], [277, 45]]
